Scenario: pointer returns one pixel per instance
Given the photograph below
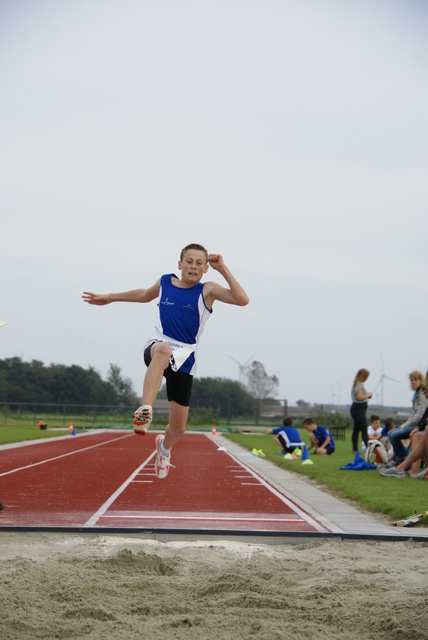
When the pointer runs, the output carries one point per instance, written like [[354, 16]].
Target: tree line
[[34, 382]]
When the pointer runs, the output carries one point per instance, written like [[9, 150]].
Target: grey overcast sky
[[291, 136]]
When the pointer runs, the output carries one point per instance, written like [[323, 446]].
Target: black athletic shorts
[[178, 384], [329, 449], [284, 444]]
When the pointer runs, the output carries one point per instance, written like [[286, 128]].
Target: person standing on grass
[[359, 405], [184, 306]]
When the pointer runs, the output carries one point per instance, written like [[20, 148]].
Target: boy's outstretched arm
[[234, 294], [136, 295]]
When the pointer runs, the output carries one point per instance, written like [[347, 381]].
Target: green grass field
[[393, 497], [23, 432]]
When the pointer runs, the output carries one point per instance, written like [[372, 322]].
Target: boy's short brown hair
[[389, 423], [308, 421], [195, 247]]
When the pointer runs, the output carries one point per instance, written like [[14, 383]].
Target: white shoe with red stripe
[[162, 463]]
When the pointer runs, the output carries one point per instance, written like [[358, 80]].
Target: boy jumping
[[185, 304]]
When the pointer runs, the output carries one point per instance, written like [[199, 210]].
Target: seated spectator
[[423, 422], [418, 434], [374, 432], [379, 449], [286, 436], [384, 439], [319, 437], [389, 426], [413, 424]]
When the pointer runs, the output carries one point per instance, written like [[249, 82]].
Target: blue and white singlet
[[182, 318]]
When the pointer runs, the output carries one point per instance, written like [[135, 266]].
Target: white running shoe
[[422, 475], [162, 463], [142, 419], [393, 472]]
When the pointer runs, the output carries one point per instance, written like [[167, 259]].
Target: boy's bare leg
[[161, 354], [177, 424], [417, 453], [313, 440], [416, 466], [278, 442], [175, 429]]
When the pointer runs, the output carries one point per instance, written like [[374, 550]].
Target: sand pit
[[112, 587]]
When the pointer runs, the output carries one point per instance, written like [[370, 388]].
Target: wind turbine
[[381, 382], [335, 395], [242, 367]]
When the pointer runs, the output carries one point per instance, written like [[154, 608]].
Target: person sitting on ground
[[423, 422], [374, 432], [389, 426], [379, 449], [286, 436], [319, 437], [418, 434], [412, 425], [418, 453], [384, 438]]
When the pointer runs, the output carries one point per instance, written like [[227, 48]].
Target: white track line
[[160, 517], [101, 511], [306, 517], [64, 455]]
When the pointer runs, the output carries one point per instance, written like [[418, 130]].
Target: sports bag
[[379, 451]]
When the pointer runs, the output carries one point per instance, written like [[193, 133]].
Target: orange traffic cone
[[213, 431]]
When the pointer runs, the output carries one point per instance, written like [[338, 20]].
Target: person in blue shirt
[[286, 436], [319, 437], [389, 426]]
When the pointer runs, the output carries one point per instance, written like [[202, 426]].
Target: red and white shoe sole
[[142, 420]]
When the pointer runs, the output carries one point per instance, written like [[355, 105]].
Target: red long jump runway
[[107, 480]]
